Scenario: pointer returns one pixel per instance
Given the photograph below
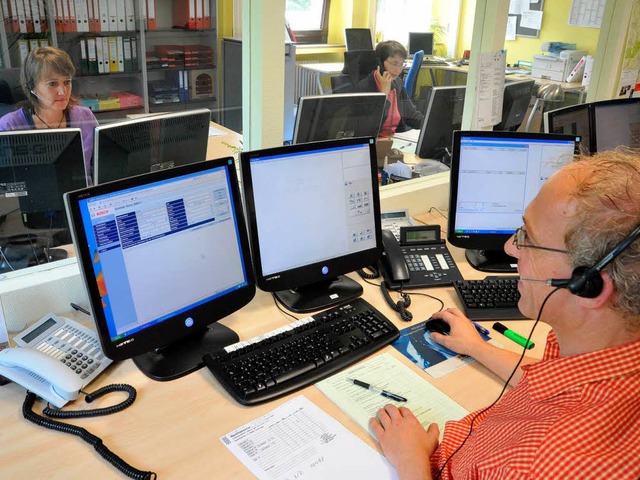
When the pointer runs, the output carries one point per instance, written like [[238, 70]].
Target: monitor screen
[[443, 116], [164, 255], [515, 102], [494, 176], [616, 122], [420, 41], [36, 168], [573, 120], [151, 143], [358, 39], [328, 117], [314, 214]]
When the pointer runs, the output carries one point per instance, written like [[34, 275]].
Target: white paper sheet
[[426, 402], [490, 88], [300, 441]]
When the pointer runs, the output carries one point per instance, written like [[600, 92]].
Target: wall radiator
[[307, 82]]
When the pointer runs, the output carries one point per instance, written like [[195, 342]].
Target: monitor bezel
[[378, 97], [171, 330], [311, 273], [420, 38], [549, 116], [422, 138], [594, 115], [61, 164], [356, 35], [489, 242], [101, 130], [508, 86]]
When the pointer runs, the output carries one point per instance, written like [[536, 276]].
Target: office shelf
[[140, 32]]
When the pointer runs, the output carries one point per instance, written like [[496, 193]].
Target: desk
[[319, 70], [173, 428]]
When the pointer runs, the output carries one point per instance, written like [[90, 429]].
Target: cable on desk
[[401, 305], [96, 442]]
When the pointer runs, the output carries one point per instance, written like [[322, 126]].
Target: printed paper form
[[427, 403], [300, 441]]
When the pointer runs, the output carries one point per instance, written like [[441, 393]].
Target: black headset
[[586, 281]]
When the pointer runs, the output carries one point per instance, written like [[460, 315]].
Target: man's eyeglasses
[[397, 64], [521, 240]]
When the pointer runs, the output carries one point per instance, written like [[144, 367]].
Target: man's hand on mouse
[[463, 337]]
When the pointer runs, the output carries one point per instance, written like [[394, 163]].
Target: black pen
[[80, 309], [384, 393]]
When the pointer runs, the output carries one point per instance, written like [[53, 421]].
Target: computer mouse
[[437, 325]]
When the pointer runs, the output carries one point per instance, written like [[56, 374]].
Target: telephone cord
[[401, 305], [96, 442]]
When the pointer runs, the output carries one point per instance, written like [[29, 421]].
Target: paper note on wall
[[490, 88]]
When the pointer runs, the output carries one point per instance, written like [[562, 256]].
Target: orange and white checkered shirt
[[568, 417]]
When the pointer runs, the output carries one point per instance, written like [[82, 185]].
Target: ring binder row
[[104, 55], [31, 16]]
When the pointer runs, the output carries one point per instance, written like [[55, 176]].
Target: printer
[[557, 66]]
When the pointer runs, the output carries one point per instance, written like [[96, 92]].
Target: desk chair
[[359, 63], [412, 75], [343, 84]]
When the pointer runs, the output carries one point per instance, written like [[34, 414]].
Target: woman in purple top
[[47, 81]]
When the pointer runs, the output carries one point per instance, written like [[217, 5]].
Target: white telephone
[[57, 357]]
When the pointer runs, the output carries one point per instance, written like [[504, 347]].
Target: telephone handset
[[420, 259], [55, 359], [394, 257], [41, 374]]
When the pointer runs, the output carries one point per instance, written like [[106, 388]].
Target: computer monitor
[[36, 168], [420, 41], [443, 116], [358, 39], [616, 122], [494, 176], [572, 120], [515, 102], [314, 215], [346, 115], [150, 143], [164, 255]]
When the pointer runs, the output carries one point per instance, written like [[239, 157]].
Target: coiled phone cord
[[96, 442], [401, 305]]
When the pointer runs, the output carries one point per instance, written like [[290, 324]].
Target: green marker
[[511, 335]]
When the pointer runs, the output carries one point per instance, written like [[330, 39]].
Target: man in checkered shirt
[[576, 412]]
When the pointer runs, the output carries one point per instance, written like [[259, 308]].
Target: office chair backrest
[[410, 80], [343, 84], [359, 63], [358, 39]]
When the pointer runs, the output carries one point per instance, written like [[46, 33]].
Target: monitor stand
[[185, 356], [496, 261], [320, 296]]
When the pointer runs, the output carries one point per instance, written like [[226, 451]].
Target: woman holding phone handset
[[399, 114]]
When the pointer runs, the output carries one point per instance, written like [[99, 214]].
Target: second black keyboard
[[494, 298], [301, 353]]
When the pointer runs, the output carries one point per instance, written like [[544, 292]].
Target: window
[[308, 19], [396, 18]]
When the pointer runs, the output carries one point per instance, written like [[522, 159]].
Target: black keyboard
[[494, 298], [301, 353]]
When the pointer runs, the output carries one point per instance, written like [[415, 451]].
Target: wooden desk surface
[[174, 428], [221, 145]]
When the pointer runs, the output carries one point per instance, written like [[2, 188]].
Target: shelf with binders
[[181, 89]]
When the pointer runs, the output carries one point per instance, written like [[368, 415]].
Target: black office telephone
[[421, 259]]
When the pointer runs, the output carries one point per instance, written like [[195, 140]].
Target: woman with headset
[[47, 79], [399, 113]]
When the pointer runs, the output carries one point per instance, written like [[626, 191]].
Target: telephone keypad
[[69, 342]]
